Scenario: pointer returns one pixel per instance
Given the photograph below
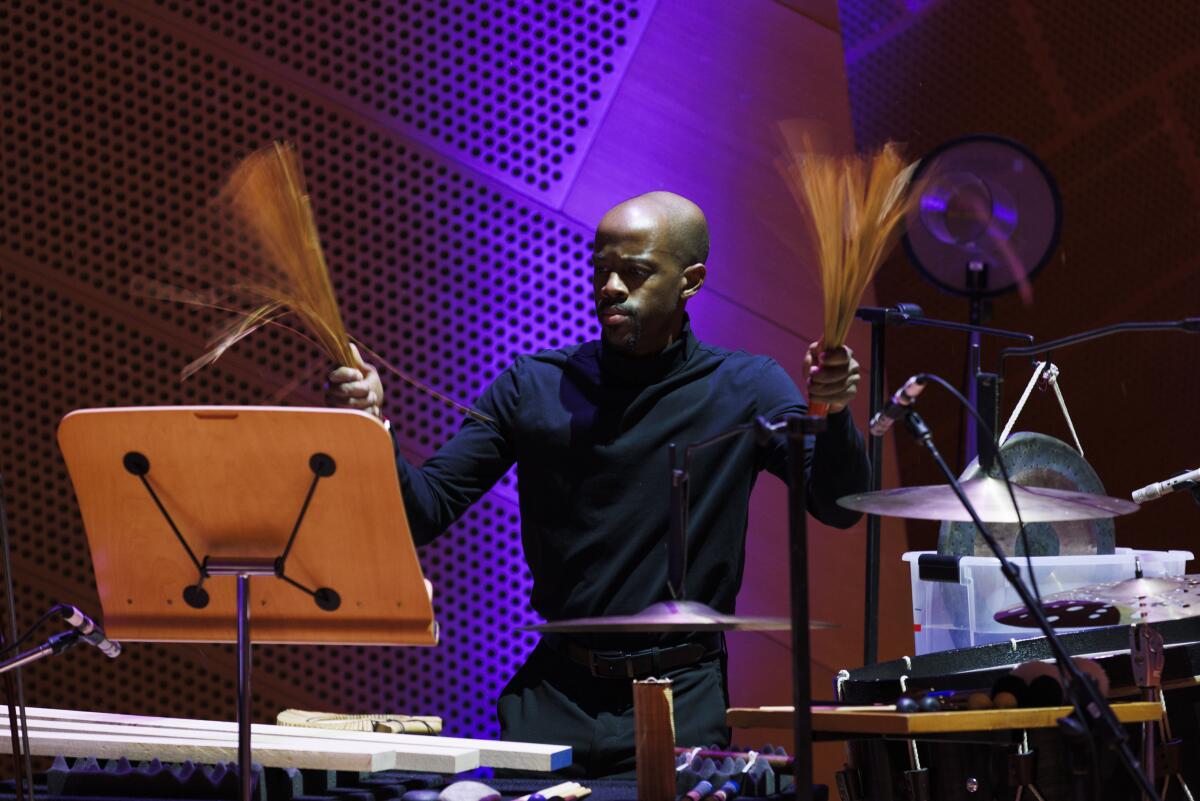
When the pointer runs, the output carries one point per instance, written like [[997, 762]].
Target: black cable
[[56, 609], [1008, 483]]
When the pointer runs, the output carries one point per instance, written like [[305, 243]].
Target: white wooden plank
[[431, 759], [491, 753], [47, 742]]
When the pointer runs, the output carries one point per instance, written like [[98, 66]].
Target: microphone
[[892, 315], [898, 406], [90, 632], [1161, 488]]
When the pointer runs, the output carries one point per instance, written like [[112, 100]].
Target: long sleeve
[[467, 466], [836, 465]]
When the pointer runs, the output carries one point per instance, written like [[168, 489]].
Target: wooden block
[[654, 737]]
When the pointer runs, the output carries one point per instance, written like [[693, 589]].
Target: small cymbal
[[1149, 600], [991, 501], [668, 616]]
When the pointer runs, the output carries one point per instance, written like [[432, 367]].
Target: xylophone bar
[[413, 752]]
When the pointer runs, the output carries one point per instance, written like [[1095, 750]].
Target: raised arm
[[462, 470], [837, 463]]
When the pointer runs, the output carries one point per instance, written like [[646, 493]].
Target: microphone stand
[[55, 644], [880, 318], [13, 685], [797, 429], [1093, 715]]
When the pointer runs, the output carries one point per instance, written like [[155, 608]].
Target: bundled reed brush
[[266, 225], [268, 206], [853, 205]]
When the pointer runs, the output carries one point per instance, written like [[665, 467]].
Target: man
[[588, 427]]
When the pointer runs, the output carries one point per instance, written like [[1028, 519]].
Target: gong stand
[[1093, 716], [988, 384]]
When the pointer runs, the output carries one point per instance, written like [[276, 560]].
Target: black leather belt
[[639, 664]]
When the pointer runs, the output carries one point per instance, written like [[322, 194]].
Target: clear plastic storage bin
[[953, 608]]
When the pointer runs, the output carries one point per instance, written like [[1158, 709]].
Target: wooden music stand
[[171, 496]]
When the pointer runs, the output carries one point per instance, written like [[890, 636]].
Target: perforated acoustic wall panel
[[116, 129], [518, 88]]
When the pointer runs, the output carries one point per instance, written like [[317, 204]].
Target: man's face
[[638, 287]]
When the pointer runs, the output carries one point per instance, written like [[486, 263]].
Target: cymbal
[[1149, 600], [667, 616], [991, 501]]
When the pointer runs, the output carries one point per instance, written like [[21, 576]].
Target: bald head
[[679, 224], [647, 261]]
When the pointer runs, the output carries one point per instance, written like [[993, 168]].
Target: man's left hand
[[832, 376]]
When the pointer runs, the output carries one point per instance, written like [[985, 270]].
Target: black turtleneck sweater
[[588, 429]]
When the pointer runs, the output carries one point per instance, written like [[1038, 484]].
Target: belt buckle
[[642, 663], [624, 664], [603, 664]]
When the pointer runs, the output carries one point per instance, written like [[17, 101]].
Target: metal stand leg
[[1172, 752], [1022, 770], [245, 765], [916, 778], [1173, 760], [242, 569]]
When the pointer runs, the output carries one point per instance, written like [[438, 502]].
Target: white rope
[[1050, 372], [1063, 404], [1012, 419]]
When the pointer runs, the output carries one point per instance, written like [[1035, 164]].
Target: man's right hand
[[356, 387]]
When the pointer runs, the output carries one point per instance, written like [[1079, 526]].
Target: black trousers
[[553, 700]]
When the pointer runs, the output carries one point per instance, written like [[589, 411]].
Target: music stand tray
[[172, 497]]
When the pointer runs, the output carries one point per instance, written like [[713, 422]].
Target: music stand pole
[[243, 569], [798, 429]]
